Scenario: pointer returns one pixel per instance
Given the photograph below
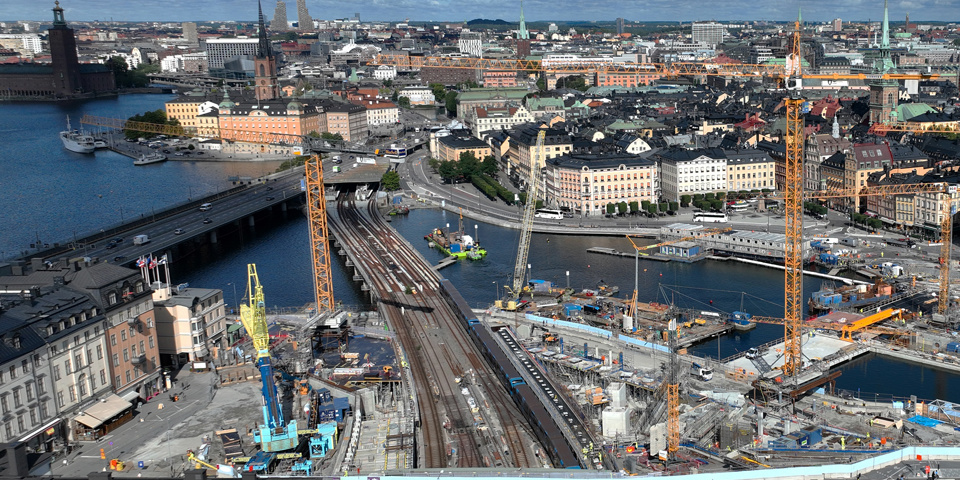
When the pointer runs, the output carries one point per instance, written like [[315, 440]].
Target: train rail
[[438, 350]]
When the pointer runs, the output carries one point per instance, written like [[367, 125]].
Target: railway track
[[509, 416], [437, 349]]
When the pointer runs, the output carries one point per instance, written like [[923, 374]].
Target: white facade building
[[220, 50], [418, 95], [688, 172], [385, 72]]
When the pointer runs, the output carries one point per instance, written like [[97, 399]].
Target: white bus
[[547, 213], [710, 217]]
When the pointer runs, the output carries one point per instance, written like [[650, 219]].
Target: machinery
[[640, 251], [274, 435], [791, 79], [222, 470], [530, 209], [701, 372]]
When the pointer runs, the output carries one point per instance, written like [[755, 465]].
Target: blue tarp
[[925, 421]]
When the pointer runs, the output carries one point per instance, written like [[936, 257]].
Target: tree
[[611, 208], [448, 171], [722, 195], [684, 201], [390, 181], [645, 205], [156, 117], [622, 208], [716, 205], [634, 207], [388, 83], [652, 208], [664, 206], [576, 82], [674, 207], [395, 97], [314, 134], [331, 136], [404, 102], [434, 164], [450, 101], [439, 91], [469, 165], [489, 165], [542, 84]]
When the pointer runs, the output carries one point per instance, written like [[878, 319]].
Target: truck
[[701, 372], [141, 239]]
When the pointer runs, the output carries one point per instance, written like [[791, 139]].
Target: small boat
[[152, 158], [456, 244], [77, 141], [741, 321], [98, 143]]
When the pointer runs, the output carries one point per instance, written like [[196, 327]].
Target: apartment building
[[749, 170], [497, 118], [449, 148], [221, 50], [125, 300], [689, 172], [522, 149], [418, 95], [191, 324], [587, 183]]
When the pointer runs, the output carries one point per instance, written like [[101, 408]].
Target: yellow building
[[587, 183], [450, 147]]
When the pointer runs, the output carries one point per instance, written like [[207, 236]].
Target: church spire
[[263, 47], [522, 34], [885, 39]]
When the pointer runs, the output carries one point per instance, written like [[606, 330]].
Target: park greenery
[[390, 181], [156, 117]]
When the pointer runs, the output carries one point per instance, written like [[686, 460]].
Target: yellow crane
[[529, 210], [640, 251], [316, 201], [790, 77]]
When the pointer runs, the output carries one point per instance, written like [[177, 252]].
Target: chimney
[[17, 460]]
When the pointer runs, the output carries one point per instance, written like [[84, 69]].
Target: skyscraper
[[279, 22], [620, 23], [303, 16], [189, 30], [523, 38], [265, 64]]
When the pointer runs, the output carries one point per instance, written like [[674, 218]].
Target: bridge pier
[[213, 236], [250, 221]]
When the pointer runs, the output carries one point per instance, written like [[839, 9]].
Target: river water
[[55, 194]]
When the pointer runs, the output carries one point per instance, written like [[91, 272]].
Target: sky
[[461, 10]]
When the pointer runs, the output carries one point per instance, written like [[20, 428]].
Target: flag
[[141, 262], [151, 262], [162, 260]]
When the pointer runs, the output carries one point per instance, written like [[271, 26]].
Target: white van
[[205, 207]]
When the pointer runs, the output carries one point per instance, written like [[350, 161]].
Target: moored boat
[[151, 158], [77, 141], [741, 321]]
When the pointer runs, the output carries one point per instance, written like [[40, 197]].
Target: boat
[[741, 321], [149, 159], [98, 143], [830, 298], [456, 244], [77, 141]]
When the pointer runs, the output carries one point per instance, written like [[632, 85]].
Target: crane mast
[[530, 209], [273, 435], [319, 236]]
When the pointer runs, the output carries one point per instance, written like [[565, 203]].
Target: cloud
[[458, 10]]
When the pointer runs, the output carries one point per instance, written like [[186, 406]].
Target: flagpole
[[166, 268]]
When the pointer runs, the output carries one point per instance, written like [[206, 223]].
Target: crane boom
[[526, 228], [273, 435]]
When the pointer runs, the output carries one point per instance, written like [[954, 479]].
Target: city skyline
[[536, 10]]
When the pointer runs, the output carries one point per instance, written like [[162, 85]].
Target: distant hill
[[484, 21]]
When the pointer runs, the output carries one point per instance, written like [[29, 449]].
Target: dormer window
[[112, 298]]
